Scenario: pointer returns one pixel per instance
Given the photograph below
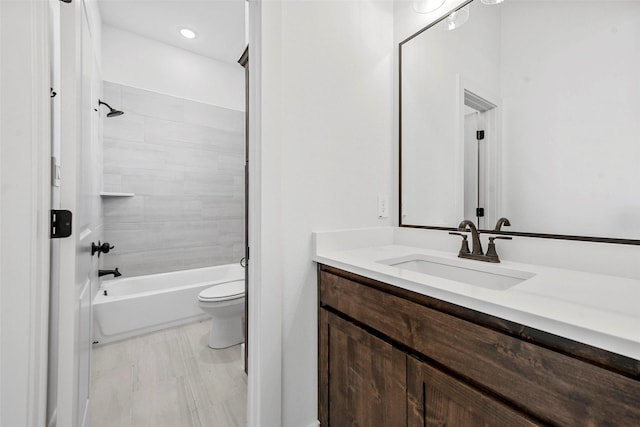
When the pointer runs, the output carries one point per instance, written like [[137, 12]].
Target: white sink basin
[[475, 273]]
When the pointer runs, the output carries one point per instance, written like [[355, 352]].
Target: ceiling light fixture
[[187, 33], [426, 6]]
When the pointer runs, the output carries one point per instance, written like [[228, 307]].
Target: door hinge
[[60, 223], [479, 135]]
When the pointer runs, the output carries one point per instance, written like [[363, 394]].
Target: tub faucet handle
[[101, 248]]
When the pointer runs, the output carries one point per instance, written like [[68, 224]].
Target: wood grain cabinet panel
[[364, 377], [552, 380], [436, 399]]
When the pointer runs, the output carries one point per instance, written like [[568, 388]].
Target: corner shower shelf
[[115, 194]]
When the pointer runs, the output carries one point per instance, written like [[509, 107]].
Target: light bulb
[[426, 6], [455, 19]]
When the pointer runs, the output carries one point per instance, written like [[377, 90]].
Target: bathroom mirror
[[555, 86]]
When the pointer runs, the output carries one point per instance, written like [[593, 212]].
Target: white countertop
[[595, 309]]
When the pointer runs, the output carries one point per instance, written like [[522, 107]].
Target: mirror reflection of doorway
[[479, 133]]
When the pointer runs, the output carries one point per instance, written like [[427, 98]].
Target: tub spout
[[115, 273]]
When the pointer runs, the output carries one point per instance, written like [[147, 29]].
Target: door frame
[[78, 110], [70, 131], [25, 179], [264, 396], [244, 62]]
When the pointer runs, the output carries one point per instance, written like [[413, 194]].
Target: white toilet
[[225, 304]]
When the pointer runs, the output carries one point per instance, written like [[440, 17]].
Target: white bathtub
[[137, 305]]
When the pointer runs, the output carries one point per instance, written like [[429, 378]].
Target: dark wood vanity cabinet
[[367, 375], [437, 399], [391, 357]]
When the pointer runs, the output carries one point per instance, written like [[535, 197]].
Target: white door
[[79, 192]]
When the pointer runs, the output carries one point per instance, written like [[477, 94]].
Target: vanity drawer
[[551, 386]]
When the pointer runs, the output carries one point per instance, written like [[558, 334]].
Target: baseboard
[[314, 424]]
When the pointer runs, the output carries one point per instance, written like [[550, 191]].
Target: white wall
[[133, 60], [328, 117], [24, 213]]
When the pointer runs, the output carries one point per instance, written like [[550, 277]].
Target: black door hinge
[[60, 224], [479, 135]]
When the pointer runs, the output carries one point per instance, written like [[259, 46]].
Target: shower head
[[115, 113], [112, 111]]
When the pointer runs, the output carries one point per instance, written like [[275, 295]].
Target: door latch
[[60, 223]]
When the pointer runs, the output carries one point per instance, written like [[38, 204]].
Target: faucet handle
[[464, 249], [492, 255], [101, 248]]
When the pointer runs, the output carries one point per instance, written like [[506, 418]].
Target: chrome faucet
[[476, 248]]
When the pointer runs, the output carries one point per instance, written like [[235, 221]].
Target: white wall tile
[[127, 127], [163, 182], [122, 209], [151, 104], [112, 182], [212, 115], [185, 163]]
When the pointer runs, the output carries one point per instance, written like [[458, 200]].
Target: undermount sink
[[469, 272]]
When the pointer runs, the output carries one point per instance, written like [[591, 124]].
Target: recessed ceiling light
[[187, 33]]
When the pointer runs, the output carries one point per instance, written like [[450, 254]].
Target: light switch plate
[[383, 206]]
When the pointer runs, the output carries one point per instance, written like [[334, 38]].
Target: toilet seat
[[223, 292]]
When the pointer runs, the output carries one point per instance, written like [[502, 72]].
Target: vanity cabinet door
[[362, 378], [436, 399]]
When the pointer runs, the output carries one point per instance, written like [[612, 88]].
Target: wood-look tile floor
[[168, 378]]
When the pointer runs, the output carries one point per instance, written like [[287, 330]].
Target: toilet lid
[[223, 291]]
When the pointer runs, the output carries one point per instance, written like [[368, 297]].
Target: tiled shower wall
[[184, 161]]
